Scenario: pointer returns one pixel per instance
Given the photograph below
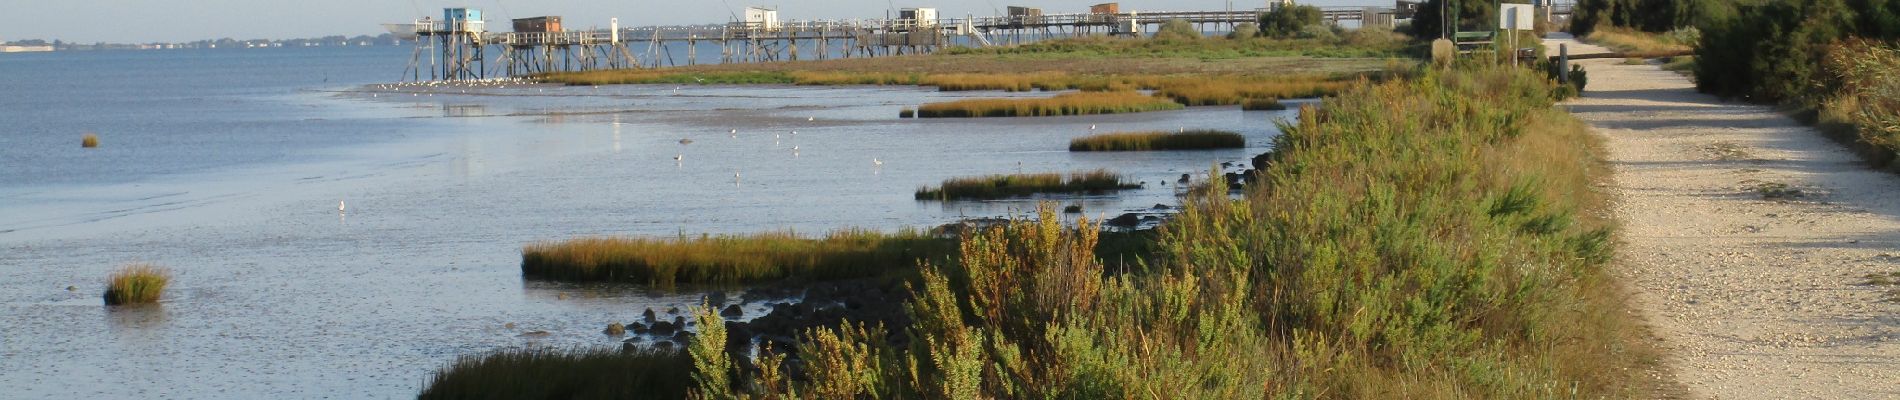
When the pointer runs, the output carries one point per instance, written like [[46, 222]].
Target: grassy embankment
[[733, 259], [136, 284], [563, 374], [1146, 141], [1437, 238], [1020, 185], [1084, 103]]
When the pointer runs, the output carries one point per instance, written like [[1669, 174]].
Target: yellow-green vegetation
[[1145, 141], [1265, 104], [1079, 103], [1868, 103], [540, 373], [729, 259], [1433, 238], [1019, 185], [1367, 43], [136, 284], [89, 140]]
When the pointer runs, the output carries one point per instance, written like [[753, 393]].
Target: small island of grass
[[136, 284], [1082, 103], [728, 259], [1021, 185], [1147, 141]]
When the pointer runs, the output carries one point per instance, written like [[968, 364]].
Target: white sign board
[[1517, 17]]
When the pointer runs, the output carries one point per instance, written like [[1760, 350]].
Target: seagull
[[809, 119], [678, 157], [794, 148], [340, 206], [734, 131], [794, 133], [1091, 127], [875, 161]]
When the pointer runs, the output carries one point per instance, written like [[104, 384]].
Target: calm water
[[227, 166]]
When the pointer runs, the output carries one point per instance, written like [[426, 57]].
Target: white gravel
[[1753, 296]]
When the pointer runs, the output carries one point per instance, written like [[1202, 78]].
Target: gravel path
[[1748, 239]]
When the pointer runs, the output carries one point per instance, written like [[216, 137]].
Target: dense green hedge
[[1646, 15], [1772, 52]]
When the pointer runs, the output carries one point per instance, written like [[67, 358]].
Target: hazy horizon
[[131, 21]]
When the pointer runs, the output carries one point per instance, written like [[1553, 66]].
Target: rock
[[664, 328], [615, 329], [1185, 178], [72, 288], [1159, 206], [716, 299], [648, 316], [1125, 220], [509, 325], [663, 345], [536, 334], [1073, 209], [732, 311], [672, 311]]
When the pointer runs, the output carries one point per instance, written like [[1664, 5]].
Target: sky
[[144, 21]]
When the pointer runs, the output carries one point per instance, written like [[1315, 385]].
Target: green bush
[[1771, 53], [1286, 22], [1177, 30], [1244, 30], [1472, 16], [1645, 15]]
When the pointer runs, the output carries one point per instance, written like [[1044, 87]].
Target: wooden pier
[[460, 40]]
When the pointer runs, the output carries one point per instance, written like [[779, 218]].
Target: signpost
[[1513, 17]]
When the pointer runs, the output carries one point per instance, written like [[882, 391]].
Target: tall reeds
[[1084, 103], [728, 259], [1147, 141], [1436, 238], [1020, 185], [541, 373], [136, 284]]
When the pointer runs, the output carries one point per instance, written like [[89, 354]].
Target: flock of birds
[[680, 158]]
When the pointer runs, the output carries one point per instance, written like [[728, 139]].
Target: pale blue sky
[[135, 21]]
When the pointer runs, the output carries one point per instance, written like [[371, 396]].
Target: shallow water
[[233, 182]]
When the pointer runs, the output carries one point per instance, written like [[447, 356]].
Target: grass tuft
[[1263, 104], [728, 259], [89, 140], [541, 373], [1084, 103], [1146, 141], [136, 284], [1022, 185]]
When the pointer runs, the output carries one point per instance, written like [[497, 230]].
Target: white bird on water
[[339, 206], [875, 161], [1091, 127], [678, 157], [810, 119]]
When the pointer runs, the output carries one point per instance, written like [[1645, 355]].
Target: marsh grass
[[1627, 40], [728, 259], [1868, 73], [89, 140], [1146, 141], [1434, 238], [1081, 103], [136, 284], [540, 373], [1021, 185], [1263, 104]]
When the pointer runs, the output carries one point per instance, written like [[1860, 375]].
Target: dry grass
[[907, 70], [1083, 103], [1020, 185], [89, 140], [1146, 141], [136, 284], [1633, 41], [727, 259]]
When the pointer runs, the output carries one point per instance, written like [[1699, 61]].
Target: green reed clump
[[1082, 103], [1146, 141], [1432, 238], [1019, 185], [728, 259], [136, 284], [89, 140], [541, 373]]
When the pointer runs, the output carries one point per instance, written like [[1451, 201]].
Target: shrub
[[1645, 15], [136, 284], [1771, 52], [1145, 141], [540, 373], [1868, 103], [1244, 30], [89, 140], [1285, 22], [1437, 238], [1177, 30], [1019, 185]]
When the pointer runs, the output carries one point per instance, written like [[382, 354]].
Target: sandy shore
[[1747, 238]]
